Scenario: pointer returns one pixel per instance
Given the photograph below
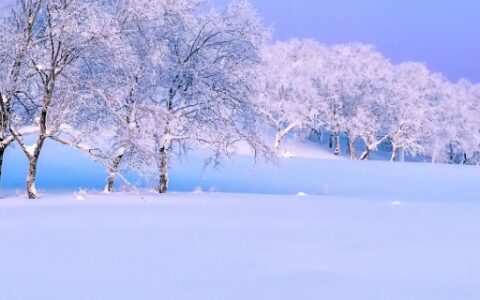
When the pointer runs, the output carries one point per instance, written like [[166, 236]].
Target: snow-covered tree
[[125, 83], [64, 32], [353, 84], [412, 89], [17, 34], [457, 124], [290, 99], [206, 87], [17, 37]]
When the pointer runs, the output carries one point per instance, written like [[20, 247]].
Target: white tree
[[353, 85], [170, 74], [64, 32], [207, 84], [457, 128], [411, 91], [17, 34], [126, 84], [290, 99]]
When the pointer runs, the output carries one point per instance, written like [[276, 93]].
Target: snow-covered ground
[[226, 246], [307, 228]]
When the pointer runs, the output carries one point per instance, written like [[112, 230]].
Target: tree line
[[134, 83]]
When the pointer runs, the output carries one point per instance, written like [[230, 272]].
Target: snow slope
[[224, 246], [307, 228], [67, 170]]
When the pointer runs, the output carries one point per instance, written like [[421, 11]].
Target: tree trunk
[[394, 153], [112, 173], [331, 141], [349, 149], [31, 177], [2, 153], [451, 153], [32, 168], [353, 150], [337, 144], [365, 154], [163, 187], [278, 141]]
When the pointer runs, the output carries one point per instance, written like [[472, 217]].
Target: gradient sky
[[445, 34]]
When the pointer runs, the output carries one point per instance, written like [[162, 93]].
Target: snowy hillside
[[159, 149], [335, 229], [313, 171]]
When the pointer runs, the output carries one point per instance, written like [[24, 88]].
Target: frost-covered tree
[[171, 74], [124, 81], [64, 32], [17, 37], [207, 80], [412, 89], [353, 85], [457, 127], [290, 99]]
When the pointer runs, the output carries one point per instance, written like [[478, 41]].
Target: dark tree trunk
[[365, 154], [112, 173], [2, 153], [163, 187]]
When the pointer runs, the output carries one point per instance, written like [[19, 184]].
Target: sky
[[445, 34]]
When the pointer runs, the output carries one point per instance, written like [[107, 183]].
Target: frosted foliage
[[137, 83]]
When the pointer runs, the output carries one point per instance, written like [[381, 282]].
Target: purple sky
[[443, 33]]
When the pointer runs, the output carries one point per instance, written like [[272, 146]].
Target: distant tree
[[411, 89], [290, 98], [353, 84]]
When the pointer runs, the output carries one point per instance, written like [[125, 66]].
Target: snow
[[292, 148], [226, 246], [31, 149], [306, 149], [287, 154], [320, 229], [26, 130], [306, 225]]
